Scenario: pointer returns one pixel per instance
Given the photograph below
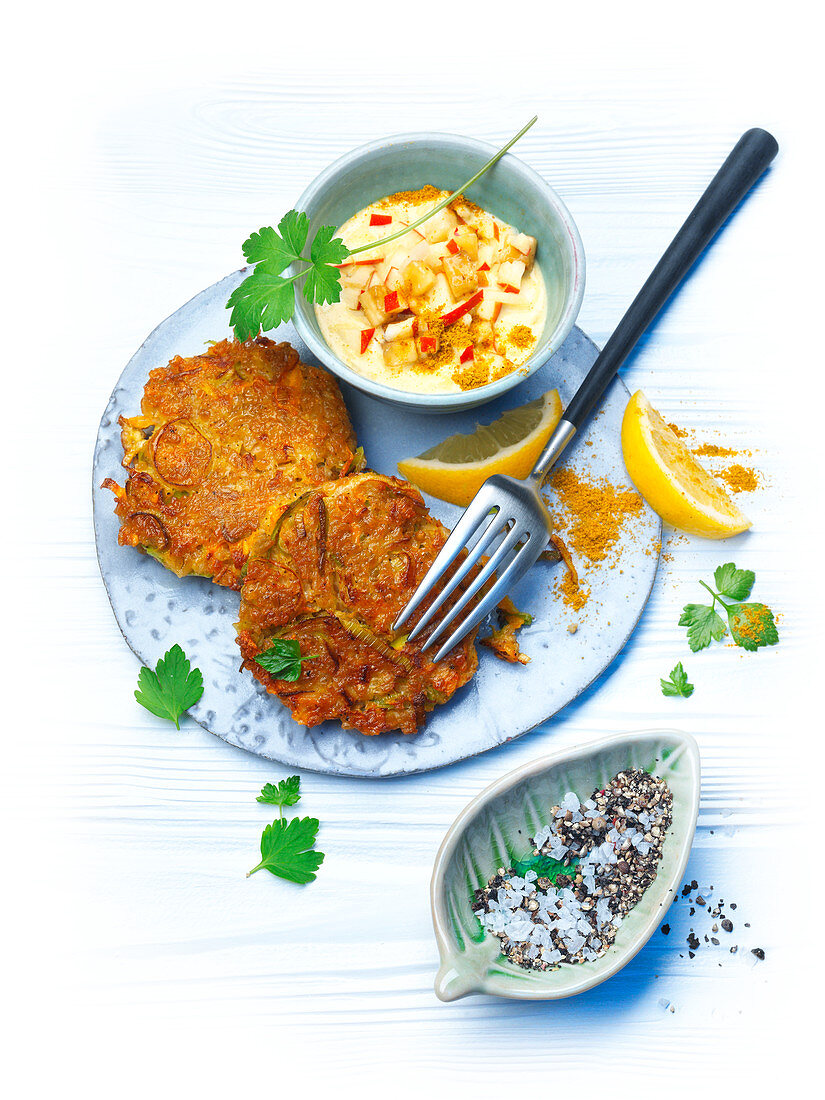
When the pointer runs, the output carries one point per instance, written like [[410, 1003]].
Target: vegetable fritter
[[221, 436], [332, 570]]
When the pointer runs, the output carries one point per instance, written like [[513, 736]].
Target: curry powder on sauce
[[462, 205], [428, 193], [520, 336]]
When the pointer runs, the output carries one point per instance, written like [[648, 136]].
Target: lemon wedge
[[456, 468], [670, 479]]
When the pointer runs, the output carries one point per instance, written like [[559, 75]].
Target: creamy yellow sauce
[[418, 347]]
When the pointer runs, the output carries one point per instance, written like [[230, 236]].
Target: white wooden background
[[142, 145]]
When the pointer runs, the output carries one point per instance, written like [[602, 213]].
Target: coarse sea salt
[[543, 927]]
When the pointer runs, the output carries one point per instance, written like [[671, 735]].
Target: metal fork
[[508, 519]]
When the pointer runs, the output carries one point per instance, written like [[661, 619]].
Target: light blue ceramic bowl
[[509, 189]]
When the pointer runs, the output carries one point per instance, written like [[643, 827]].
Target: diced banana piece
[[423, 253], [486, 225], [379, 303], [398, 329], [511, 273], [488, 308], [440, 226], [526, 245], [461, 274], [467, 241], [400, 353], [418, 278]]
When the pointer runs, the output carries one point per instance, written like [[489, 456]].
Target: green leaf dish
[[494, 830]]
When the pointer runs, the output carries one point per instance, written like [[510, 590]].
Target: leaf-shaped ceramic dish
[[494, 829]]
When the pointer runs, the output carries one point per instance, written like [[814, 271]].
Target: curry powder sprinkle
[[469, 376], [677, 431], [752, 621], [572, 593], [713, 450], [595, 513], [740, 479], [428, 193], [461, 205], [521, 336]]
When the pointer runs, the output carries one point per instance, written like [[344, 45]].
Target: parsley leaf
[[733, 582], [262, 301], [283, 659], [266, 298], [544, 866], [677, 684], [704, 625], [323, 281], [752, 625], [286, 793], [287, 849], [172, 688], [277, 250]]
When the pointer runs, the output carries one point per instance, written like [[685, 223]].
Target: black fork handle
[[745, 164]]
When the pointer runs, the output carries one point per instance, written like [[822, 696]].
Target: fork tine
[[515, 534], [522, 561], [480, 506], [493, 531]]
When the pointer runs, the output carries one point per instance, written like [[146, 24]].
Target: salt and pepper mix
[[588, 869]]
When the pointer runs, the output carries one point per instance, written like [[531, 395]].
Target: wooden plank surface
[[134, 922]]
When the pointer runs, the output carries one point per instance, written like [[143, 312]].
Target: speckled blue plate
[[155, 609]]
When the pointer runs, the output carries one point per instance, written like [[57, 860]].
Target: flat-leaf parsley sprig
[[172, 688], [283, 659], [677, 683], [288, 847], [266, 298], [285, 793], [751, 624]]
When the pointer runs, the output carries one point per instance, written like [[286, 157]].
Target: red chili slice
[[366, 335], [484, 267], [427, 344], [360, 263], [380, 219], [391, 301], [463, 308], [508, 288], [452, 247], [466, 354]]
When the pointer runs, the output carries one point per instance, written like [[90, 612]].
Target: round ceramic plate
[[155, 609]]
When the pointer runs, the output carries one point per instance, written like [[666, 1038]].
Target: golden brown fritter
[[332, 570], [221, 436]]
